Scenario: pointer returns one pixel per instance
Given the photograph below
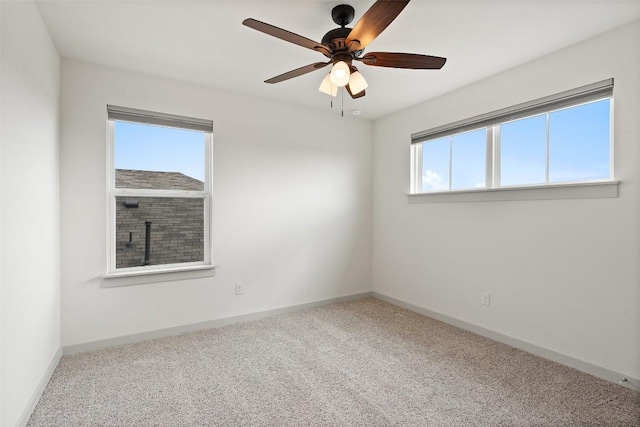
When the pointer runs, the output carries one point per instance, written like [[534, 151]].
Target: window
[[159, 191], [454, 162], [523, 151], [564, 138]]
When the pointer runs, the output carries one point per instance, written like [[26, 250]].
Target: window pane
[[435, 164], [523, 151], [176, 228], [469, 158], [140, 147], [579, 142]]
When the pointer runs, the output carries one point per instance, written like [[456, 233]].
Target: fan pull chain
[[342, 96], [331, 97]]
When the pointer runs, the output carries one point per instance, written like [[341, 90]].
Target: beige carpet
[[360, 363]]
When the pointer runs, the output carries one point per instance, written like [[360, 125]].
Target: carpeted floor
[[359, 363]]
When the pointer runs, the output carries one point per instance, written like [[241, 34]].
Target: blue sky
[[578, 150], [156, 148]]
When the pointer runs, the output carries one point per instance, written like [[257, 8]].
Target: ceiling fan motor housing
[[342, 14], [335, 39]]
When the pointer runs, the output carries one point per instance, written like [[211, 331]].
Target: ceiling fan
[[344, 45]]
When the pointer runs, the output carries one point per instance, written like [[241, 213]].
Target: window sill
[[166, 274], [589, 190]]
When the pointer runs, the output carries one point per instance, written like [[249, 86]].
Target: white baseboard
[[37, 393], [596, 371], [193, 327]]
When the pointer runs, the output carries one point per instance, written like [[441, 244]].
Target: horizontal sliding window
[[564, 138]]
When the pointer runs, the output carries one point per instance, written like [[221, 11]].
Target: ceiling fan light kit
[[357, 83], [344, 45], [340, 74], [327, 87]]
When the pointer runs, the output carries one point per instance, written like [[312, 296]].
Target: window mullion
[[497, 159], [450, 162], [546, 169], [489, 158]]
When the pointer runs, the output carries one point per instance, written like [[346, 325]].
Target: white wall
[[292, 206], [563, 274], [0, 215], [30, 274]]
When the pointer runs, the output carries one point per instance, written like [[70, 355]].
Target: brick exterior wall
[[177, 224]]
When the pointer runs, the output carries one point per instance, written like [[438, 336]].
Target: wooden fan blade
[[357, 95], [297, 72], [373, 22], [285, 35], [403, 60]]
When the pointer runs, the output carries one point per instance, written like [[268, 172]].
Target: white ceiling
[[205, 42]]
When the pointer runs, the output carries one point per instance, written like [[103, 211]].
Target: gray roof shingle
[[154, 180]]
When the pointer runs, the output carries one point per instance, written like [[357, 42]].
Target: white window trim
[[576, 190], [164, 272], [492, 121]]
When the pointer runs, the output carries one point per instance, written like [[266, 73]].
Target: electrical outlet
[[486, 298], [239, 288]]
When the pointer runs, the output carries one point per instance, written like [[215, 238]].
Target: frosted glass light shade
[[340, 74], [327, 87], [357, 83]]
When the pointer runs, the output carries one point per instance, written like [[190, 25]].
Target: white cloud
[[432, 181]]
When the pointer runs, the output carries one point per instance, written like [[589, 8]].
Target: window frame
[[113, 192], [492, 122]]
